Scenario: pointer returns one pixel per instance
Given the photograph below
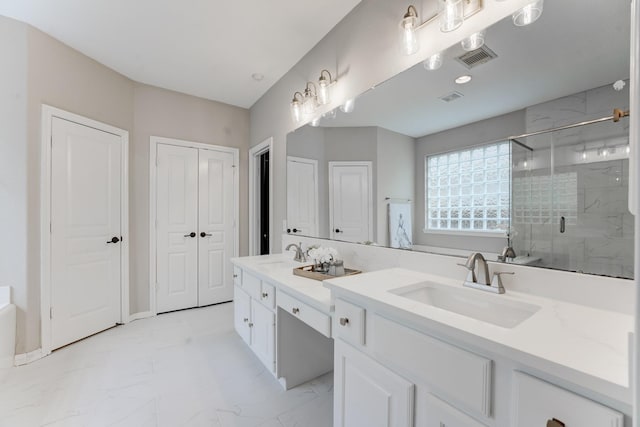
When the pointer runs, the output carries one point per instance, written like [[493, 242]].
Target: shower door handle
[[562, 224]]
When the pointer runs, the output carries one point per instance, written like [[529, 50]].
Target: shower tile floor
[[187, 368]]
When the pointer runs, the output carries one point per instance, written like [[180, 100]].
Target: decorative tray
[[309, 272]]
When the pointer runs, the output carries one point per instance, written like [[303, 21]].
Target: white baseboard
[[141, 315], [26, 358]]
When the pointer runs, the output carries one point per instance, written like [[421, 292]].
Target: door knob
[[555, 423], [113, 240], [203, 234], [295, 230], [288, 230], [192, 234], [338, 230]]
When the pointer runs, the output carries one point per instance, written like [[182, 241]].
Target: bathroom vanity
[[412, 348]]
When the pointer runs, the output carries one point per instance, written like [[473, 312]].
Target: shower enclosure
[[570, 198]]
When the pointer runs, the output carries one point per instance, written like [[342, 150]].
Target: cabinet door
[[368, 394], [263, 338], [242, 313], [441, 414]]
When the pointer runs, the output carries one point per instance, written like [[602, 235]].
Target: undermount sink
[[470, 303]]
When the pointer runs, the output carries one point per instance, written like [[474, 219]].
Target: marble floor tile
[[187, 368]]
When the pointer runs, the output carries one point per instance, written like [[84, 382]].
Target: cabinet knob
[[235, 275], [344, 321], [555, 423], [296, 310], [265, 295], [246, 320], [251, 325]]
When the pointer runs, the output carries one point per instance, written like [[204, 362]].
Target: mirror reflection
[[425, 163]]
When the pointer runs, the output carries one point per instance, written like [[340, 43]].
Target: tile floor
[[187, 368]]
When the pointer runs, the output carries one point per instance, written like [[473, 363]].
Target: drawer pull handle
[[296, 310], [555, 423], [265, 295], [344, 321]]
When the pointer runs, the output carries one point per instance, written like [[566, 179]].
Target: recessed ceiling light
[[257, 76], [463, 79]]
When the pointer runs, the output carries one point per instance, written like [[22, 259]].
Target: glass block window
[[469, 190], [533, 203]]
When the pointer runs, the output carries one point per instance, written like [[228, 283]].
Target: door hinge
[[50, 312]]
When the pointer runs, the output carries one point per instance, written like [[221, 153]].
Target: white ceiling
[[206, 48], [571, 48]]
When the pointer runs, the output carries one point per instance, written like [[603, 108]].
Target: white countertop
[[582, 345], [278, 269]]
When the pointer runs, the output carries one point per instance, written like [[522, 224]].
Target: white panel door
[[85, 231], [350, 201], [368, 394], [177, 239], [302, 196], [216, 227]]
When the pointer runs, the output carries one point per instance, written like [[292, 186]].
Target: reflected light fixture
[[474, 41], [463, 79], [348, 106], [324, 84], [330, 114], [309, 99], [433, 62], [315, 122], [528, 14], [296, 107], [451, 14], [408, 27]]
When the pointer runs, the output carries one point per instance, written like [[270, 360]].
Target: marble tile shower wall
[[600, 239]]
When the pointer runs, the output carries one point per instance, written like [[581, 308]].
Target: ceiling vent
[[451, 96], [476, 57]]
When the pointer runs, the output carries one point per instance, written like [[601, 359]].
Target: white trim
[[153, 156], [141, 315], [369, 166], [48, 113], [26, 358], [254, 184], [490, 234]]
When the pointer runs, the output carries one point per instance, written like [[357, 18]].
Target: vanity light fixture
[[474, 41], [348, 106], [451, 14], [324, 84], [408, 27], [330, 114], [528, 14], [433, 62], [309, 99], [296, 107], [315, 122], [463, 79]]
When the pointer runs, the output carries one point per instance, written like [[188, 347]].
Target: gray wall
[[455, 139], [362, 50], [36, 70]]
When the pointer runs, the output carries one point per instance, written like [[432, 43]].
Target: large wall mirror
[[425, 163]]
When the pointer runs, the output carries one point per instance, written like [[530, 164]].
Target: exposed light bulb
[[296, 108], [433, 62], [627, 149], [525, 164], [309, 101], [474, 41], [408, 35], [584, 154], [604, 152], [528, 14], [324, 85], [451, 14], [348, 106]]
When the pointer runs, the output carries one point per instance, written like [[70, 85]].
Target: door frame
[[153, 194], [48, 114], [254, 195], [369, 166], [315, 164]]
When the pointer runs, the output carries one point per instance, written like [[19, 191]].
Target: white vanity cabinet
[[254, 316], [368, 394]]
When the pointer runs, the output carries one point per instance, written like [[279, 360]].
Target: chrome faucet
[[507, 252], [300, 256], [481, 279]]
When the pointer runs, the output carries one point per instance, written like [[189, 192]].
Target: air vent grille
[[451, 96], [476, 57]]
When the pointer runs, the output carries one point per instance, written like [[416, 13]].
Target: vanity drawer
[[349, 322], [536, 402], [316, 319], [440, 413], [268, 295], [251, 284], [237, 276], [454, 374]]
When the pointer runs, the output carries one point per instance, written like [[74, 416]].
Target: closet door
[[177, 238], [216, 227]]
